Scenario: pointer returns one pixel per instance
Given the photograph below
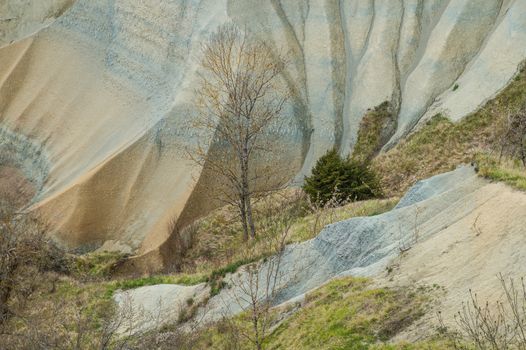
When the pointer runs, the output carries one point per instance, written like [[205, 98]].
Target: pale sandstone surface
[[454, 230], [99, 97]]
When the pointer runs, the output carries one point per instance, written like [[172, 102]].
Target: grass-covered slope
[[376, 127], [508, 171], [218, 242], [440, 145], [347, 313]]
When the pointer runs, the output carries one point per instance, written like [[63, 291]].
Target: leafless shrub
[[403, 244], [135, 329], [33, 316], [256, 286], [498, 326], [513, 138], [324, 213], [67, 324], [26, 254]]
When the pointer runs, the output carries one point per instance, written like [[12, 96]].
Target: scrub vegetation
[[439, 145]]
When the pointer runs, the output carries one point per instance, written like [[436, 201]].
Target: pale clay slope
[[104, 91], [436, 220], [22, 18]]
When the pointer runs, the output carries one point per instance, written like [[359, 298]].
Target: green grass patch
[[346, 313], [215, 280], [96, 265], [509, 172], [349, 314], [230, 268]]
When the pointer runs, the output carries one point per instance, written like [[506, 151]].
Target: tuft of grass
[[376, 127], [230, 268], [96, 265], [508, 172], [215, 280], [440, 145], [455, 87]]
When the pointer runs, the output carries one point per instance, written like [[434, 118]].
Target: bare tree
[[239, 100], [256, 287]]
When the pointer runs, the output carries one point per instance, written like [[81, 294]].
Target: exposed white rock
[[453, 43], [153, 306], [22, 18], [491, 70], [364, 246], [451, 222], [106, 89]]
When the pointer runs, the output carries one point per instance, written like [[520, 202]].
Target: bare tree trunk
[[255, 323], [240, 97], [523, 150], [250, 219], [247, 217], [246, 190], [243, 214]]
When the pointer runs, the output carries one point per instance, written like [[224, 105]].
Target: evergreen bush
[[340, 180]]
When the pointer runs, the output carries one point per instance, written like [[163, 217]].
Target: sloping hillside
[[105, 91], [455, 231]]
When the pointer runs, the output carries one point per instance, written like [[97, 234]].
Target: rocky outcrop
[[451, 222], [106, 90]]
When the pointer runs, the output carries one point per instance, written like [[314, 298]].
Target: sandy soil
[[469, 254]]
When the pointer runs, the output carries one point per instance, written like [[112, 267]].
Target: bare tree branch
[[239, 99]]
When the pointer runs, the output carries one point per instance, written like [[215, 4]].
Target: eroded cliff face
[[22, 18], [103, 94]]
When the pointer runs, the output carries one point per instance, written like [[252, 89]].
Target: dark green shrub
[[339, 180]]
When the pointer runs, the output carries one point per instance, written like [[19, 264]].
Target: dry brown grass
[[218, 237], [440, 145]]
